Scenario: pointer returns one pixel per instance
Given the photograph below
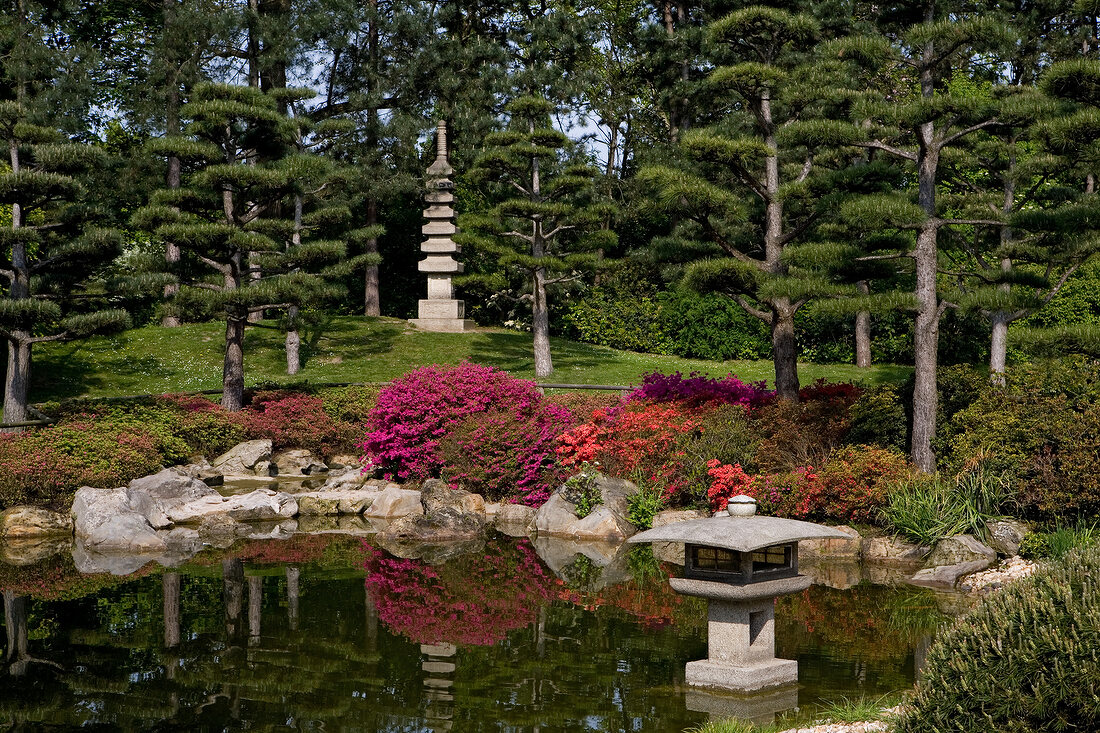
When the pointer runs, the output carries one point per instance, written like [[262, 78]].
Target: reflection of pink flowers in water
[[475, 599]]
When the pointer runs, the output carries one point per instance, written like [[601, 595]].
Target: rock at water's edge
[[154, 496], [557, 517], [105, 522], [241, 460], [19, 522]]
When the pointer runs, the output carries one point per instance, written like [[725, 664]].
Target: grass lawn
[[357, 349]]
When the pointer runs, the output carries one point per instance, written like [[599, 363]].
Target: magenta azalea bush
[[696, 389], [418, 411]]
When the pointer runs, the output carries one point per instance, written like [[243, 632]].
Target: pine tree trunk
[[540, 326], [784, 351], [233, 367], [372, 301], [925, 350], [863, 332], [17, 379], [998, 346], [293, 342], [172, 179]]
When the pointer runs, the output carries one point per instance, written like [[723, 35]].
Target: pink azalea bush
[[696, 389], [418, 411]]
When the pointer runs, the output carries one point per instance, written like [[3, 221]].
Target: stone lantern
[[440, 311], [740, 563]]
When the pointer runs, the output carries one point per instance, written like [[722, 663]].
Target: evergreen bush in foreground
[[1026, 659]]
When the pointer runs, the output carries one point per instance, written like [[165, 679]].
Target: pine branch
[[879, 145], [752, 310], [973, 128]]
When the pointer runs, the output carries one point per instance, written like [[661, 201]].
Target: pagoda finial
[[441, 168]]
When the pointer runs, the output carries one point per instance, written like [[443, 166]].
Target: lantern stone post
[[440, 311]]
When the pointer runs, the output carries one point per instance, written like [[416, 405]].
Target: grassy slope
[[354, 349]]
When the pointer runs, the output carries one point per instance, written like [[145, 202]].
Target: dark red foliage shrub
[[855, 484], [845, 392], [295, 420], [798, 434], [420, 409]]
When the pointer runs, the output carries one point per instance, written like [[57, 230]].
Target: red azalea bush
[[296, 420], [502, 456], [475, 599], [421, 408]]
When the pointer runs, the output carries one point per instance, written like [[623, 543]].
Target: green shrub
[[644, 505], [620, 320], [725, 434], [1025, 659], [928, 509], [878, 418], [712, 326], [1059, 542]]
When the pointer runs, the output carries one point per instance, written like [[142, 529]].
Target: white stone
[[255, 506], [153, 496], [298, 462], [443, 325], [441, 309], [241, 459], [440, 288], [104, 521], [395, 502]]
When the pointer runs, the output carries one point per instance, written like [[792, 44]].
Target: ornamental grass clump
[[416, 414], [1025, 659]]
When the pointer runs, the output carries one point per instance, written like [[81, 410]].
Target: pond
[[322, 632]]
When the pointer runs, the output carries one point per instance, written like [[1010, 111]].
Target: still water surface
[[323, 632]]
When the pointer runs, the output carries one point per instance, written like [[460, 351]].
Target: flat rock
[[255, 506], [203, 471], [298, 462], [340, 524], [19, 522], [242, 459], [833, 547], [892, 551], [673, 552], [1006, 535], [444, 525], [607, 521], [332, 502], [961, 548], [344, 460], [104, 521], [946, 576], [154, 496], [393, 502]]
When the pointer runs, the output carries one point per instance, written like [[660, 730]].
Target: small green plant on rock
[[582, 490]]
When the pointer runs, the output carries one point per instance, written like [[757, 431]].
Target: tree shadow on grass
[[506, 351], [348, 338], [65, 373]]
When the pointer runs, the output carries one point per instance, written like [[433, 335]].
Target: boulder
[[242, 459], [339, 524], [514, 520], [203, 471], [835, 547], [322, 503], [436, 496], [961, 548], [298, 462], [153, 496], [267, 469], [946, 576], [344, 460], [443, 525], [19, 522], [557, 517], [1006, 535], [673, 552], [892, 551], [104, 521], [350, 478], [255, 506], [393, 502]]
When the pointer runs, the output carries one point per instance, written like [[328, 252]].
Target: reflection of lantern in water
[[740, 563]]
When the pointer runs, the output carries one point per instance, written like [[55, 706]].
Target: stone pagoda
[[440, 311]]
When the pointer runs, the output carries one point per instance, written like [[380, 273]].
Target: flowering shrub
[[293, 419], [503, 456], [421, 408], [845, 392], [696, 389], [476, 599], [582, 404], [798, 434], [729, 481], [855, 484], [623, 440]]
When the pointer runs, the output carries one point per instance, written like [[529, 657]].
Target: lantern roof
[[742, 534]]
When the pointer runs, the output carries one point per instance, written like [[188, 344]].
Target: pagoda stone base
[[442, 315], [444, 325], [742, 678]]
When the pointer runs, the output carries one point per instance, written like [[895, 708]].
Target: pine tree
[[54, 247], [549, 232], [759, 183], [222, 217]]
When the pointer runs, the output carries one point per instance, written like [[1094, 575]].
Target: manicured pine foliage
[[241, 256], [51, 251], [760, 182], [548, 231]]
